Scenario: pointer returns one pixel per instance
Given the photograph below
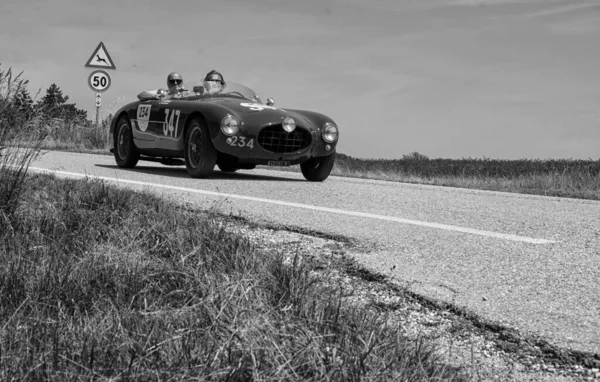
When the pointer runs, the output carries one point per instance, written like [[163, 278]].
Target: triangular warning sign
[[100, 58]]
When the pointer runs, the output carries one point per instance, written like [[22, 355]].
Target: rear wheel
[[200, 154], [126, 154], [318, 169]]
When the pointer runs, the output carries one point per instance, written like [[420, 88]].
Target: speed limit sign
[[99, 80]]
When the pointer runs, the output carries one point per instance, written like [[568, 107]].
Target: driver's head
[[174, 82], [214, 82]]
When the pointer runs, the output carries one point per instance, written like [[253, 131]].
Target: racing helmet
[[214, 82], [174, 79]]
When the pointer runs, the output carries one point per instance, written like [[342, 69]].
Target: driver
[[213, 82], [175, 84]]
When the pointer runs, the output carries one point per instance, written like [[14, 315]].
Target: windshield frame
[[230, 90]]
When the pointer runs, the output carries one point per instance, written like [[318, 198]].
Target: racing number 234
[[170, 128], [240, 142]]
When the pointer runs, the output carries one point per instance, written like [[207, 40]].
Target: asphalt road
[[528, 262]]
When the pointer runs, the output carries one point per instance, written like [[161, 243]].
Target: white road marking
[[498, 235]]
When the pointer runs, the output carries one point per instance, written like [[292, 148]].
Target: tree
[[70, 112], [415, 156], [23, 103], [15, 101], [54, 105], [54, 97]]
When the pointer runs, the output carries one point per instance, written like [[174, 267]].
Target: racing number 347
[[170, 128]]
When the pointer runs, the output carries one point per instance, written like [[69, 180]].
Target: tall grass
[[565, 177], [105, 283], [66, 135], [84, 137], [19, 144], [471, 167]]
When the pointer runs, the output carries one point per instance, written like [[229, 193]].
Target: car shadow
[[178, 172]]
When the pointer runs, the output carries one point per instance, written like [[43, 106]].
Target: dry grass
[[564, 178], [108, 283]]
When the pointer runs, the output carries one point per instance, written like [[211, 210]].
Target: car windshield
[[230, 89]]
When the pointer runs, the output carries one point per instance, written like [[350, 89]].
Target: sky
[[500, 79]]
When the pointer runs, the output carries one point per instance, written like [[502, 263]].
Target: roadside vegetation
[[99, 282], [104, 283], [563, 177]]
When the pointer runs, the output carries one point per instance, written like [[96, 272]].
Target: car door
[[144, 121], [168, 124]]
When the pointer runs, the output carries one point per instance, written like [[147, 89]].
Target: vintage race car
[[233, 129]]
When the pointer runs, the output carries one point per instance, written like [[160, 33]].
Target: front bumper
[[261, 147]]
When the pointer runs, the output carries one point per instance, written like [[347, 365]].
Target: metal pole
[[98, 104]]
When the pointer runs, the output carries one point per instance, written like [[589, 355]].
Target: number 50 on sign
[[99, 80]]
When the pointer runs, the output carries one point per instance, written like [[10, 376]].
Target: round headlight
[[230, 125], [330, 132], [289, 124]]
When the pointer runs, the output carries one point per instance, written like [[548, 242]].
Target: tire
[[126, 155], [318, 169], [226, 168], [200, 154]]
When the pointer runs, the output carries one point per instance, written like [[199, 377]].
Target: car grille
[[275, 139]]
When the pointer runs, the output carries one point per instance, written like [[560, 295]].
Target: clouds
[[562, 8], [481, 3]]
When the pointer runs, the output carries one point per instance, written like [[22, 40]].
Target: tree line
[[18, 108]]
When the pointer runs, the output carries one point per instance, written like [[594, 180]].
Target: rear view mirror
[[150, 95]]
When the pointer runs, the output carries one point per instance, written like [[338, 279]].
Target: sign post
[[98, 104], [99, 80]]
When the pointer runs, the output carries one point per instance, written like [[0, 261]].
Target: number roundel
[[99, 80]]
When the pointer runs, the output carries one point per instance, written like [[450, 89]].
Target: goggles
[[214, 79]]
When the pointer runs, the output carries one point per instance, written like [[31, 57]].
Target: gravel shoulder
[[486, 350]]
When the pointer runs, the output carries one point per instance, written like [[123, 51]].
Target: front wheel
[[318, 169], [200, 154], [126, 154]]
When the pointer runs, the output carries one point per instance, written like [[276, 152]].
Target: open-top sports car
[[233, 129]]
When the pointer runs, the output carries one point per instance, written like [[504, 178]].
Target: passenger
[[213, 82]]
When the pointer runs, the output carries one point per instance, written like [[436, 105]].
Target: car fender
[[211, 113], [317, 119], [123, 111]]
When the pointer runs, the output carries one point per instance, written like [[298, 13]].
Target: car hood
[[257, 113]]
